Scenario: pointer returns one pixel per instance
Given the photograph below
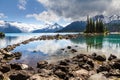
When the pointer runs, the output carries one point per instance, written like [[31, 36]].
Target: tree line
[[94, 26]]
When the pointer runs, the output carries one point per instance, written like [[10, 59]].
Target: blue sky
[[51, 11], [10, 8]]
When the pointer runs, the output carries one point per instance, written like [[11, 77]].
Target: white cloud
[[22, 4], [45, 16], [78, 9], [2, 15]]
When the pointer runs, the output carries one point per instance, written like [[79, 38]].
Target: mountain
[[17, 27], [49, 28], [77, 26], [106, 19], [112, 22], [7, 28], [113, 26]]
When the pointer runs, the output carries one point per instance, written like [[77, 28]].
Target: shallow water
[[51, 49]]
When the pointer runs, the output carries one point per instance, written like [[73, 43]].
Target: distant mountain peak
[[49, 28]]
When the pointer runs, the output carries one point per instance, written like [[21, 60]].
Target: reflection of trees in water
[[94, 41], [91, 41]]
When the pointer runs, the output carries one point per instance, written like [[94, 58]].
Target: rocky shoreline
[[80, 67]]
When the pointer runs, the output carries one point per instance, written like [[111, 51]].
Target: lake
[[53, 50]]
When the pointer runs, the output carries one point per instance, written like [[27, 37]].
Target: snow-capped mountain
[[13, 27], [18, 27], [107, 19], [49, 28]]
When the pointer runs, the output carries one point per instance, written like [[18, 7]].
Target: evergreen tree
[[94, 27]]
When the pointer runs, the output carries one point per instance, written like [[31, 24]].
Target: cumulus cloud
[[79, 9], [22, 4], [2, 15], [45, 16]]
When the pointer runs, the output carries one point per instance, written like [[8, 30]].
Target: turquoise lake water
[[51, 49]]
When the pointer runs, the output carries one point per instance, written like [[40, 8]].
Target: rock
[[73, 50], [5, 68], [94, 55], [24, 66], [63, 63], [86, 66], [50, 66], [90, 62], [97, 77], [69, 47], [100, 57], [38, 77], [78, 73], [1, 56], [17, 54], [111, 57], [115, 65], [62, 68], [20, 75], [103, 68], [76, 78], [44, 72], [112, 74], [80, 56], [18, 66], [1, 76], [8, 55], [73, 67], [42, 64], [60, 74]]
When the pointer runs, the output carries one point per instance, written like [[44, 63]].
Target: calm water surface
[[51, 49]]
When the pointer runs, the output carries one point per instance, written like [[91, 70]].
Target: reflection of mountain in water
[[6, 41]]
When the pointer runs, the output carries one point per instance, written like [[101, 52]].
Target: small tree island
[[95, 26], [2, 35]]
